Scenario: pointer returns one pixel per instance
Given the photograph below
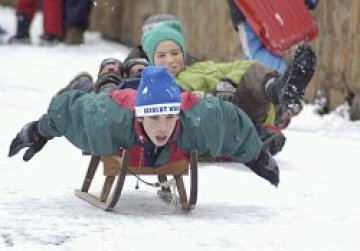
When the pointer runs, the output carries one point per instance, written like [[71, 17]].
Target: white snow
[[316, 206]]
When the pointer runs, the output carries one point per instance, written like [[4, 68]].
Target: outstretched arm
[[28, 137], [92, 122], [222, 129]]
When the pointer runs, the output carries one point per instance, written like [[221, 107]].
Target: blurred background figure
[[52, 21], [2, 33], [2, 30], [63, 21], [76, 20]]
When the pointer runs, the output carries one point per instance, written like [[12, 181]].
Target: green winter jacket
[[97, 124], [204, 76]]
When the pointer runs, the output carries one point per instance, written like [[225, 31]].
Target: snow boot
[[111, 65], [74, 36], [22, 35], [2, 35], [225, 90], [82, 81], [110, 75], [134, 66], [288, 91], [2, 31], [47, 39]]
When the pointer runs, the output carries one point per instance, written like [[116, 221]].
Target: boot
[[266, 167], [82, 81], [74, 36], [301, 69], [2, 31], [132, 69], [111, 65], [110, 75], [288, 91], [225, 90], [47, 39], [272, 138], [22, 35]]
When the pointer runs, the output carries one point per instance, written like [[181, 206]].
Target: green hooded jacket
[[204, 76], [99, 125]]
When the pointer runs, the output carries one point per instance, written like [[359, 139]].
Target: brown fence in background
[[209, 35]]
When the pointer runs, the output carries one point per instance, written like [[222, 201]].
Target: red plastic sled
[[280, 24]]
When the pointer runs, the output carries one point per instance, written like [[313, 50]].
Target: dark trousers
[[77, 14]]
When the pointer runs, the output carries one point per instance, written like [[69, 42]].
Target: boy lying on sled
[[157, 123]]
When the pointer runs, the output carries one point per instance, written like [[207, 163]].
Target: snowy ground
[[314, 208]]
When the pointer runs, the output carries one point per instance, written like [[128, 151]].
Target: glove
[[225, 90], [311, 4], [266, 167], [29, 136], [107, 82]]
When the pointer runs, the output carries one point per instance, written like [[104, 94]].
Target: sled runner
[[116, 169], [280, 24]]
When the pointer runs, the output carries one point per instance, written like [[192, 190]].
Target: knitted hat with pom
[[157, 93], [162, 32], [157, 19]]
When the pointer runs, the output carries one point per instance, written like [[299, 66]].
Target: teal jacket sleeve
[[92, 122], [221, 129]]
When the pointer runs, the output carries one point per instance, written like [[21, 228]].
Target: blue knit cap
[[157, 93]]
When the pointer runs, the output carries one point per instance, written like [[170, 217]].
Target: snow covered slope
[[316, 206]]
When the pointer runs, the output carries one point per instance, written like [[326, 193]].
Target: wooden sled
[[116, 169]]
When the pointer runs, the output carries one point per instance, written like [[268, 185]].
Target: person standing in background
[[2, 33], [63, 21], [52, 21], [76, 20]]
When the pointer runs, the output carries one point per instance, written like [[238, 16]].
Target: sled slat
[[116, 169], [94, 162], [175, 168], [109, 181], [90, 198]]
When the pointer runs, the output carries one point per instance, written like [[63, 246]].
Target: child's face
[[168, 54], [159, 128]]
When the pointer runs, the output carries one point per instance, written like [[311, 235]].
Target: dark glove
[[107, 82], [30, 137], [266, 167]]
